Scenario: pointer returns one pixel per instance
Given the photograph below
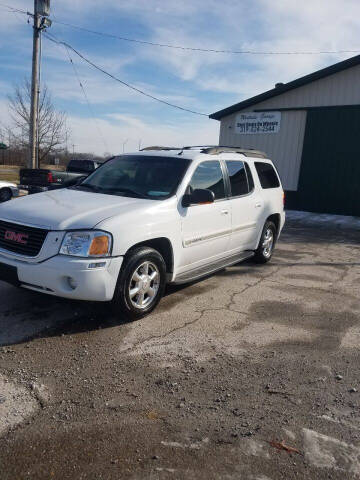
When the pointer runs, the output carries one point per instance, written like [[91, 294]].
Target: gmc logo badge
[[16, 237]]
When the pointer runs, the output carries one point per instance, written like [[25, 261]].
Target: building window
[[267, 175]]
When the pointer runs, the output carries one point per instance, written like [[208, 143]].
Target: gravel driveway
[[252, 373]]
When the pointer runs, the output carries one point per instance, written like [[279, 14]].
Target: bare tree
[[52, 123]]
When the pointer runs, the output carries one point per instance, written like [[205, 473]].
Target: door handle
[[258, 205], [224, 212]]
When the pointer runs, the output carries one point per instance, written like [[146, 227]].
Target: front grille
[[21, 239]]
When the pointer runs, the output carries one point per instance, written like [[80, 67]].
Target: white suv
[[143, 220]]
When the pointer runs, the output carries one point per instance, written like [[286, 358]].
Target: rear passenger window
[[238, 178], [209, 175], [267, 175]]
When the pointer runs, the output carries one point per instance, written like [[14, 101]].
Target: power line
[[12, 9], [52, 39], [87, 99], [198, 49], [193, 49]]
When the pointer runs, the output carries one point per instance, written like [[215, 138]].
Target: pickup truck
[[143, 220], [39, 180]]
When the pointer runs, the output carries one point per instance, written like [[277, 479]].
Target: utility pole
[[41, 10], [34, 88]]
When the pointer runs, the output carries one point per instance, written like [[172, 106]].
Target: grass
[[9, 173]]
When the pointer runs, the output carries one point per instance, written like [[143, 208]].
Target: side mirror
[[199, 196]]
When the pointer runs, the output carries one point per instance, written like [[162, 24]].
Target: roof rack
[[190, 147], [211, 150], [159, 148], [248, 152]]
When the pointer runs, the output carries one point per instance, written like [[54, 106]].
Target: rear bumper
[[68, 277]]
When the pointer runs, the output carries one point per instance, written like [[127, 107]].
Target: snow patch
[[323, 219], [328, 452], [255, 448], [16, 404], [290, 434], [192, 446]]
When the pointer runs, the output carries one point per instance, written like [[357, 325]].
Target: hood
[[66, 209], [6, 184]]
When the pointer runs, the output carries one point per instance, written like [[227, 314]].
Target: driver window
[[209, 175]]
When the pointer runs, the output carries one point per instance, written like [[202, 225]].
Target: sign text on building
[[257, 122]]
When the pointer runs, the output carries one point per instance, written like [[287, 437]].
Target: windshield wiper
[[87, 186], [121, 190]]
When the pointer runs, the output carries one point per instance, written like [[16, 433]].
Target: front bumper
[[15, 192], [69, 277]]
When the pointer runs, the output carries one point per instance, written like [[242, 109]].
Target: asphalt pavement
[[252, 373]]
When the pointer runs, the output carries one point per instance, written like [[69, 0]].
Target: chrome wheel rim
[[144, 285], [268, 243]]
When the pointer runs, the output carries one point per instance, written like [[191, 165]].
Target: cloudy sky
[[205, 82]]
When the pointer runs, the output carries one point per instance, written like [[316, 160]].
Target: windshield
[[137, 176]]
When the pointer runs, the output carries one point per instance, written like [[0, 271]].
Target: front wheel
[[141, 283], [5, 194], [267, 243]]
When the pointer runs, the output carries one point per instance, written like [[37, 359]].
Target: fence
[[12, 157]]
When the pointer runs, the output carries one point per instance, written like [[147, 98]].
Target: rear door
[[206, 229], [246, 206]]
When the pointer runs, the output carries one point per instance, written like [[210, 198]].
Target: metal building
[[310, 128]]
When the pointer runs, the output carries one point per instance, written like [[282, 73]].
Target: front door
[[206, 229]]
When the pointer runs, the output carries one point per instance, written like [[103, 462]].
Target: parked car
[[8, 191], [40, 179], [143, 220]]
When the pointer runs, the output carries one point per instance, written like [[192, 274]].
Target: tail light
[[50, 178], [284, 199]]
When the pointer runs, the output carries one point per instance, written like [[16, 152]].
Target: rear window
[[267, 175], [241, 179], [80, 166], [238, 179]]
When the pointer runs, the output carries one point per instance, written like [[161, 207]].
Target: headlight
[[86, 244]]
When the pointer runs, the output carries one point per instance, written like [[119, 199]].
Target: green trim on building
[[329, 180]]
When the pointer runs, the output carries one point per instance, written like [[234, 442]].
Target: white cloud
[[192, 79], [120, 128]]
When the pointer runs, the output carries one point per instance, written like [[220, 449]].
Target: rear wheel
[[5, 194], [267, 243], [141, 283]]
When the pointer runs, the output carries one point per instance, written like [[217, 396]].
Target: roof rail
[[190, 147], [159, 148], [211, 150], [248, 152]]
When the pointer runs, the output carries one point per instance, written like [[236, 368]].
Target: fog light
[[97, 265], [72, 282]]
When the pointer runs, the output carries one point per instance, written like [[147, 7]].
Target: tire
[[133, 276], [266, 246], [5, 195]]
